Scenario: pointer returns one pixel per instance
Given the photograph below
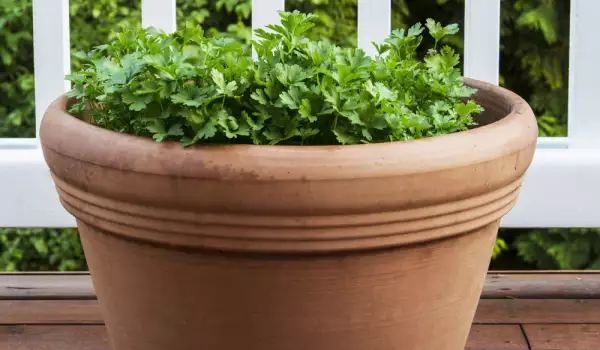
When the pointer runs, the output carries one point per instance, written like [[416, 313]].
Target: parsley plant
[[188, 87]]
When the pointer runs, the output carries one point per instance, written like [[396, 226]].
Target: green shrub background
[[534, 63]]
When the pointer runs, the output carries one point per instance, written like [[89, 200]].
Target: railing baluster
[[160, 14], [374, 23], [265, 12], [51, 53], [482, 40], [584, 119]]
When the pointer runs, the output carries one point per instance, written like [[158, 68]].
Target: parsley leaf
[[193, 88]]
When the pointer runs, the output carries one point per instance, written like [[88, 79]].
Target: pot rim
[[517, 129]]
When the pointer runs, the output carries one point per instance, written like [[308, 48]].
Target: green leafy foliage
[[92, 23], [561, 249], [188, 87], [16, 70], [41, 250], [500, 246]]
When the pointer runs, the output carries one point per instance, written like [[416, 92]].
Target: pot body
[[379, 247], [413, 297]]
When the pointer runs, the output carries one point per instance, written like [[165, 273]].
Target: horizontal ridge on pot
[[293, 199], [288, 233]]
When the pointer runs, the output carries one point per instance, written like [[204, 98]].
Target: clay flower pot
[[365, 247]]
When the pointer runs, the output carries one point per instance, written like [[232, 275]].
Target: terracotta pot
[[366, 247]]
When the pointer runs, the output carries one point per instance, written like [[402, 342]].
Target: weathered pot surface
[[380, 247]]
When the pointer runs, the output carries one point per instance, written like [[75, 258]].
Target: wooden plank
[[576, 285], [78, 337], [70, 337], [497, 337], [563, 336], [15, 290], [50, 286], [490, 311], [513, 311], [50, 312], [542, 286]]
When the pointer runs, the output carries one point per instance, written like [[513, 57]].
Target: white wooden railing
[[562, 188]]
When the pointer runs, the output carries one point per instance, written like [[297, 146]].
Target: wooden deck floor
[[518, 311]]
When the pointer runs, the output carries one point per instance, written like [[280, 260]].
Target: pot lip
[[89, 143]]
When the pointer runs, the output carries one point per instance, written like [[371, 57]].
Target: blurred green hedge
[[41, 250], [534, 63]]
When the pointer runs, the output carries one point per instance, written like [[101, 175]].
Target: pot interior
[[495, 108]]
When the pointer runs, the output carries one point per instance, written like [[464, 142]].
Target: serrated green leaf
[[254, 125], [452, 29], [305, 110], [136, 102], [207, 131], [259, 95], [218, 78], [464, 110], [296, 91], [191, 96], [437, 31], [415, 30], [272, 135], [291, 98], [175, 130], [288, 101], [344, 136], [157, 127]]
